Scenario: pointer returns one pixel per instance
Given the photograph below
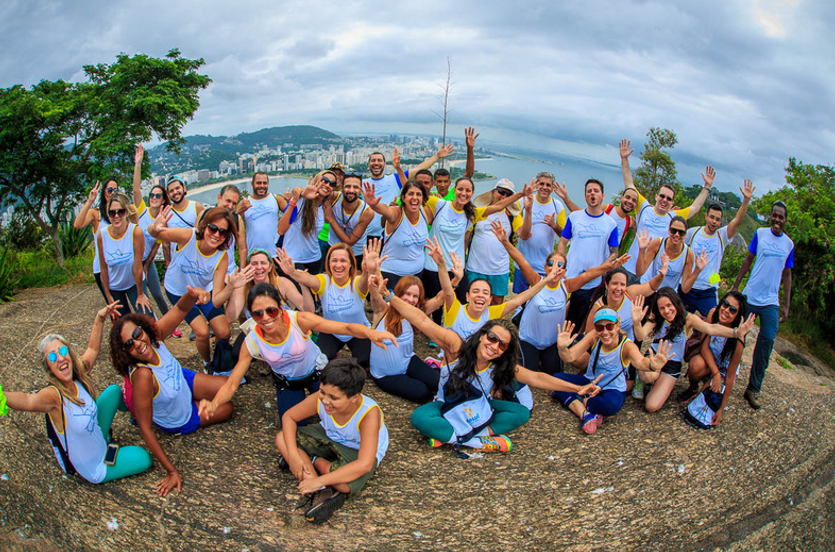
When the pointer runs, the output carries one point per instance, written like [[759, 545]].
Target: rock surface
[[761, 481]]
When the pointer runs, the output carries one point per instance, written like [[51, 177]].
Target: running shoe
[[685, 396], [495, 443], [638, 390], [591, 422], [177, 333], [435, 443], [432, 362], [327, 501]]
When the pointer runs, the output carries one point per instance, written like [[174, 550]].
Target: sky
[[745, 84]]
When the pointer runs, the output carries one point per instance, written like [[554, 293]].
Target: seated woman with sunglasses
[[480, 374], [121, 247], [98, 218], [605, 352], [546, 310], [719, 357], [669, 320], [680, 267], [80, 422], [199, 260], [164, 393], [304, 218], [281, 338]]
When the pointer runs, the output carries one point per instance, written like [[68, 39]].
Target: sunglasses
[[680, 231], [117, 212], [503, 192], [354, 175], [493, 338], [608, 327], [550, 262], [272, 312], [666, 197], [157, 195], [217, 230], [62, 350], [732, 309], [111, 190], [137, 333], [328, 181]]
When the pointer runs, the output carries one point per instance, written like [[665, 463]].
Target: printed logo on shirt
[[768, 248], [410, 240], [119, 256], [339, 303], [174, 377], [90, 413], [193, 267], [587, 231], [551, 304], [256, 212]]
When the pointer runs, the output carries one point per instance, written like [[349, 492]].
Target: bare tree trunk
[[446, 102], [56, 245]]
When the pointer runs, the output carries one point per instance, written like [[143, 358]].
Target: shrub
[[8, 274], [74, 241]]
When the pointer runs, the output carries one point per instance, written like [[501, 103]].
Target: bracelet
[[292, 203], [388, 296], [4, 409]]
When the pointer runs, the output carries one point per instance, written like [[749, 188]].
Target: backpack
[[62, 454]]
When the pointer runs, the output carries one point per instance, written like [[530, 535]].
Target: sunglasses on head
[[493, 338], [666, 197], [136, 334], [272, 312], [609, 326], [217, 230], [353, 175], [503, 192], [732, 309], [153, 195], [62, 350], [550, 263], [680, 231], [117, 212]]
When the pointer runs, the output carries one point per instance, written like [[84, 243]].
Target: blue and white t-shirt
[[714, 246], [591, 237], [773, 254], [387, 188]]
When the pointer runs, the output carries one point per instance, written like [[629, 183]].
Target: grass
[[38, 269], [804, 332]]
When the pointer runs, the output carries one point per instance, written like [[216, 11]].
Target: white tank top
[[458, 319], [262, 223], [191, 267], [404, 247], [96, 264], [716, 346], [678, 342], [145, 220], [348, 223], [172, 403], [543, 313], [450, 227], [303, 249], [83, 437], [293, 358], [118, 255], [609, 364], [395, 360], [349, 433], [186, 218], [342, 304], [675, 268]]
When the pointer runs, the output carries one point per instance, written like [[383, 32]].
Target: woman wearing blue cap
[[611, 355]]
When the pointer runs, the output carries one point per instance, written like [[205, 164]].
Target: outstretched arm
[[527, 191], [87, 215], [693, 266], [743, 270], [531, 276], [137, 175], [577, 354], [577, 282], [625, 152], [434, 250], [647, 252], [562, 193], [285, 263], [747, 193], [470, 138], [708, 176], [523, 297], [391, 214], [443, 151], [177, 313]]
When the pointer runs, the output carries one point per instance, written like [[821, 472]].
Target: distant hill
[[201, 151]]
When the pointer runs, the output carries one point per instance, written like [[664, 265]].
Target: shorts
[[701, 300], [519, 282], [209, 310], [315, 442], [498, 283], [193, 422], [672, 368]]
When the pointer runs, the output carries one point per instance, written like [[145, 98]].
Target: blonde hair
[[133, 214], [80, 371]]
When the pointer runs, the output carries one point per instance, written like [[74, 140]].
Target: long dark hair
[[602, 291], [677, 325], [504, 367], [121, 359], [103, 202], [408, 186], [730, 344], [469, 208], [264, 289], [210, 216]]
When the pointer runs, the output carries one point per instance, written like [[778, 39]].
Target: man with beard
[[260, 212], [387, 186], [656, 218], [185, 211], [349, 216], [712, 239], [773, 252]]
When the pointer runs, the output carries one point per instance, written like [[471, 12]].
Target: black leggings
[[432, 285], [578, 307], [548, 357], [419, 384], [331, 345]]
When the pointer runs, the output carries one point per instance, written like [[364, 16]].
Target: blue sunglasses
[[62, 350]]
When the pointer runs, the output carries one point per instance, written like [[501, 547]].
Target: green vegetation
[[38, 269], [657, 166], [56, 138], [8, 274]]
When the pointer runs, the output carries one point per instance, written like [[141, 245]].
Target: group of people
[[425, 256]]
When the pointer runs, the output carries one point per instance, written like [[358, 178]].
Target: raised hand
[[702, 260], [643, 239], [748, 190], [616, 262], [529, 189], [201, 295], [639, 309], [371, 260], [499, 230], [139, 154], [658, 359], [470, 136], [625, 151], [243, 205], [457, 266], [708, 176], [111, 311], [378, 283], [368, 194], [312, 189], [665, 264], [162, 220], [565, 337], [395, 159], [94, 192], [285, 262], [561, 191], [445, 151], [327, 211], [746, 326], [435, 252], [239, 278]]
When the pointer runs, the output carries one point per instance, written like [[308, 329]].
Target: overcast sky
[[745, 84]]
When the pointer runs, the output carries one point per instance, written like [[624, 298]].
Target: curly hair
[[122, 359], [730, 344], [504, 367], [680, 321], [393, 318], [213, 214], [80, 371], [408, 186]]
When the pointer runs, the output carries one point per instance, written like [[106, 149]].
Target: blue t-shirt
[[591, 237], [773, 254]]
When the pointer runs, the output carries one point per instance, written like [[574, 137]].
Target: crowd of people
[[299, 273]]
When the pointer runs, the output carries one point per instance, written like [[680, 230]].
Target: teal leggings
[[428, 420], [129, 460]]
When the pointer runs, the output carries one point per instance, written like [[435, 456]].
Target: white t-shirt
[[715, 245], [591, 237], [487, 255], [543, 238], [261, 221], [773, 254], [450, 227], [387, 188]]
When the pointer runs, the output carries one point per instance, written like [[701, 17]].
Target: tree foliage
[[657, 166], [58, 137]]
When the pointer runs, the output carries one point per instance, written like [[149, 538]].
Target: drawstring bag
[[223, 359], [700, 411]]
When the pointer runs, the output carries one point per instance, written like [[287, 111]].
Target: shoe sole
[[590, 427], [323, 512]]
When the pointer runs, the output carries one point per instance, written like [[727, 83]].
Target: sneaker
[[282, 464], [435, 443], [327, 501], [495, 443], [432, 362], [685, 396], [753, 399], [638, 390], [177, 333], [433, 345], [591, 422]]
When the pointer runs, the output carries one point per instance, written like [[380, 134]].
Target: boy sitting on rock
[[337, 456]]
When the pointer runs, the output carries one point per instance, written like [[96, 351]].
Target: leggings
[[419, 384], [548, 358], [97, 277], [152, 285], [127, 298], [330, 345], [606, 403], [129, 460], [507, 416]]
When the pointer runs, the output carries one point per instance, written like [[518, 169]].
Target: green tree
[[657, 166], [58, 137]]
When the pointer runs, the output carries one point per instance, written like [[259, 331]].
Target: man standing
[[655, 219], [594, 238], [260, 212], [542, 223], [713, 240], [442, 180], [349, 216], [185, 211], [772, 253]]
